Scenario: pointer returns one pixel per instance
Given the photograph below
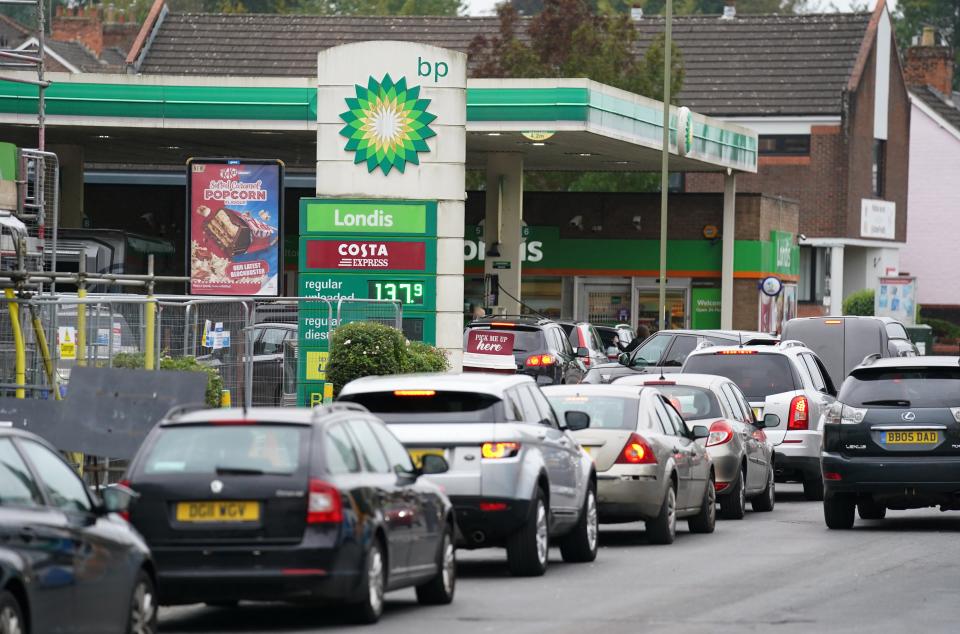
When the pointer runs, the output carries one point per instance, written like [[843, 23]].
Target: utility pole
[[665, 164]]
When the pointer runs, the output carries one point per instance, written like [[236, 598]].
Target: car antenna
[[740, 337]]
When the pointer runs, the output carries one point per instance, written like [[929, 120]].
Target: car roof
[[910, 362], [729, 334], [523, 320], [477, 382], [677, 378], [784, 347], [275, 324], [592, 389], [285, 415]]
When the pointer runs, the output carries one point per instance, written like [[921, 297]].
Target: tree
[[912, 15], [859, 303]]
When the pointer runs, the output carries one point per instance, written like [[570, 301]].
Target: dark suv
[[892, 439], [535, 346], [666, 351]]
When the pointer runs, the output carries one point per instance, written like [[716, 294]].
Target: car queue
[[345, 502]]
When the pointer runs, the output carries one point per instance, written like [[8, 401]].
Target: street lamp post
[[664, 165]]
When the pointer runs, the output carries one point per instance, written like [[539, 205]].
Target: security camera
[[577, 222], [802, 237], [638, 222]]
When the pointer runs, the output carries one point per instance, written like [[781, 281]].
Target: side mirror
[[769, 420], [624, 358], [118, 498], [576, 421], [583, 352], [431, 464], [700, 431]]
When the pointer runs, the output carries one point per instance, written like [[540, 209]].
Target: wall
[[931, 252]]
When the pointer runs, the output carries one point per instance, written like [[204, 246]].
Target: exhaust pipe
[[478, 537]]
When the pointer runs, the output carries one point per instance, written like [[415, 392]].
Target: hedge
[[182, 364]]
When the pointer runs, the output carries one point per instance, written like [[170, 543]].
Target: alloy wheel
[[542, 536], [10, 622], [593, 525], [449, 564], [743, 490], [672, 510], [142, 610], [375, 579], [712, 500]]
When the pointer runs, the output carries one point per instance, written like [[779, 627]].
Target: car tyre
[[11, 615], [765, 502], [813, 488], [838, 511], [373, 583], [580, 544], [528, 548], [733, 505], [143, 616], [440, 589], [663, 528], [706, 520], [869, 509]]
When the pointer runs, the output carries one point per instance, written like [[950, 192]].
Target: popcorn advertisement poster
[[235, 227]]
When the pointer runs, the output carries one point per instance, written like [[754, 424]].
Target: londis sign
[[367, 217]]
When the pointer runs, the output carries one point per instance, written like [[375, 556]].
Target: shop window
[[784, 145], [879, 165]]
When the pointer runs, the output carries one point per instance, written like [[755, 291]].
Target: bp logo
[[387, 124]]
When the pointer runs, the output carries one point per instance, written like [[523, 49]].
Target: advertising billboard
[[235, 224], [896, 297]]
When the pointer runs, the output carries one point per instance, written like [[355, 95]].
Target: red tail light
[[798, 418], [540, 360], [637, 451], [583, 344], [720, 432], [324, 505], [125, 514]]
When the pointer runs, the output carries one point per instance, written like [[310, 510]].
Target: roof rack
[[791, 343], [183, 408], [342, 406]]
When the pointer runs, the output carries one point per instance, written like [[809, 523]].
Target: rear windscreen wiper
[[898, 402], [238, 471]]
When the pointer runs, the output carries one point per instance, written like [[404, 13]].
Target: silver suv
[[788, 380], [517, 477]]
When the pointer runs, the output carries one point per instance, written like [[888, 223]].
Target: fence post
[[20, 352], [151, 318], [82, 312]]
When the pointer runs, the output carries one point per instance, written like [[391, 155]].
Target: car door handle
[[541, 435]]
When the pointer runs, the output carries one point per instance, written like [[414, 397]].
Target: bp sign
[[363, 249]]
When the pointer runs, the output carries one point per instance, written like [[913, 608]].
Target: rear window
[[523, 340], [757, 375], [212, 449], [428, 406], [606, 412], [693, 403], [914, 387]]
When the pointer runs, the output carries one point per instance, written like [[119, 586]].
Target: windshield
[[428, 406], [212, 449], [757, 375], [651, 351], [523, 340], [909, 387], [606, 412], [693, 403]]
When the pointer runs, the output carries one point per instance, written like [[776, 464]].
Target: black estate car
[[892, 439], [535, 346], [67, 562], [290, 504]]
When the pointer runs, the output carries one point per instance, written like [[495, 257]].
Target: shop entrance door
[[604, 304], [648, 301]]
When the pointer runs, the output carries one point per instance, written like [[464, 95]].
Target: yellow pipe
[[149, 344], [45, 353], [81, 329], [19, 348]]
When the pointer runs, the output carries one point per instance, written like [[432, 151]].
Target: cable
[[530, 308]]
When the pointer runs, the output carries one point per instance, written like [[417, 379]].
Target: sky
[[485, 7]]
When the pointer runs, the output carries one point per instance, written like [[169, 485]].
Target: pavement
[[778, 572]]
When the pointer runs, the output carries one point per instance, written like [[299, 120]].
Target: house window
[[879, 164], [784, 145]]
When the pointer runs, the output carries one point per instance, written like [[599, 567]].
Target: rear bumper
[[893, 476], [790, 466], [726, 467], [627, 493], [490, 525]]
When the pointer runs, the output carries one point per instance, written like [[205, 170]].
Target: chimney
[[636, 13], [929, 64], [85, 27], [729, 10]]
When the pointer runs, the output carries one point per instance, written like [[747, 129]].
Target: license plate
[[910, 437], [418, 454], [218, 511]]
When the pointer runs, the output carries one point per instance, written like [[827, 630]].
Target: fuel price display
[[407, 292]]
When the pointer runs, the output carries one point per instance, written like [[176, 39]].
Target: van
[[842, 343]]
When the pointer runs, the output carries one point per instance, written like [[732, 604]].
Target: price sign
[[407, 292]]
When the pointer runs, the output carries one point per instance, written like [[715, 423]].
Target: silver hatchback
[[649, 466]]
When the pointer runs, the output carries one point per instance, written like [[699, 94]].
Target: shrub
[[182, 364], [859, 303], [942, 329], [362, 349], [422, 357]]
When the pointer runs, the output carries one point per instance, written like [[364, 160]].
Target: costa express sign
[[367, 255]]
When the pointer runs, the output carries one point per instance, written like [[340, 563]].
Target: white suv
[[788, 380]]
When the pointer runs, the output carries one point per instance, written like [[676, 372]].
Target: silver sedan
[[742, 455], [649, 465]]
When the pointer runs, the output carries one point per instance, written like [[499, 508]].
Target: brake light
[[414, 392], [720, 486], [636, 451], [660, 383], [488, 507], [798, 418], [833, 322], [497, 450], [324, 505], [503, 324], [720, 433], [831, 475], [737, 351], [540, 360], [125, 514], [583, 344]]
